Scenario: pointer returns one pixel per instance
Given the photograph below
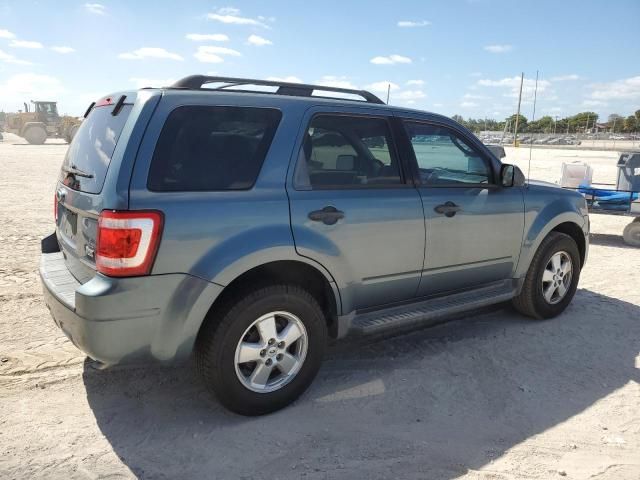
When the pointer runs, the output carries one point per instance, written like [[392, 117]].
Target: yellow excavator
[[40, 122]]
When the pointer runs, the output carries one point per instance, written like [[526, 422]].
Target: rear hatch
[[80, 193]]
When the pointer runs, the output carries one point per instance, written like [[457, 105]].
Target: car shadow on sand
[[433, 403], [609, 240]]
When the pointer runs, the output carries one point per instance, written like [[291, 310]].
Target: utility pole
[[515, 133], [555, 125], [587, 125], [388, 92]]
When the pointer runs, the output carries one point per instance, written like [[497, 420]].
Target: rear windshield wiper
[[73, 170]]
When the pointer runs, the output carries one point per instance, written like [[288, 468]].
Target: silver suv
[[249, 227]]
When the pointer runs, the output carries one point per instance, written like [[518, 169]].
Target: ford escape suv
[[247, 222]]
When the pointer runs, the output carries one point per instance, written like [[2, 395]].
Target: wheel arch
[[568, 222], [573, 230], [285, 271]]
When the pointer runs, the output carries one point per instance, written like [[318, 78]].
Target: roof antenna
[[388, 92], [533, 117], [515, 132]]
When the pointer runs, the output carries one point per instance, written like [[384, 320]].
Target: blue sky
[[453, 57]]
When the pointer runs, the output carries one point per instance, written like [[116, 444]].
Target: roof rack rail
[[196, 82]]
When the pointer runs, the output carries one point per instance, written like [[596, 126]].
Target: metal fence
[[590, 141]]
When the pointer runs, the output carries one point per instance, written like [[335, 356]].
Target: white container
[[576, 174]]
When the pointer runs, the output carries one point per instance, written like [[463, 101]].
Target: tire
[[218, 344], [35, 135], [531, 301], [631, 233]]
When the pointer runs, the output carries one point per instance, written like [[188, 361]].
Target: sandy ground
[[489, 396]]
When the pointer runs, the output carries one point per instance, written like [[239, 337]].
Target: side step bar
[[429, 310]]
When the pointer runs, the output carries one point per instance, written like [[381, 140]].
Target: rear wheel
[[631, 233], [552, 279], [263, 350], [35, 135]]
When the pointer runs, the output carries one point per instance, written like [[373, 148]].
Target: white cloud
[[498, 48], [409, 95], [415, 82], [473, 96], [381, 87], [151, 82], [336, 82], [594, 103], [63, 49], [221, 51], [24, 44], [8, 58], [390, 60], [512, 84], [231, 16], [258, 41], [211, 54], [468, 104], [229, 11], [203, 56], [25, 86], [625, 89], [95, 8], [149, 52], [564, 78], [6, 34], [206, 37], [289, 79], [413, 23]]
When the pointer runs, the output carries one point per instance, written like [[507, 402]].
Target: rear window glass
[[212, 148], [87, 160]]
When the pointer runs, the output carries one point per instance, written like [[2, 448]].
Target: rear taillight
[[55, 207], [127, 242]]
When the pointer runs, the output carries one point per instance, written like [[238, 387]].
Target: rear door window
[[87, 160], [347, 152], [205, 148]]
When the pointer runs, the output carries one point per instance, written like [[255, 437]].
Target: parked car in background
[[249, 228]]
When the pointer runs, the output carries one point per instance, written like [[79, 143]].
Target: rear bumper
[[137, 319]]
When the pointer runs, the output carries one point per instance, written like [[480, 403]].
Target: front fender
[[540, 220]]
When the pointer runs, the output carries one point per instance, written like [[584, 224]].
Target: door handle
[[449, 209], [328, 215]]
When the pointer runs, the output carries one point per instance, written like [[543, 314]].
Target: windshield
[[91, 149]]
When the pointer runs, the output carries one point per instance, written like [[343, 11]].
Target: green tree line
[[580, 123]]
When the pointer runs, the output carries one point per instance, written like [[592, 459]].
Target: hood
[[541, 183]]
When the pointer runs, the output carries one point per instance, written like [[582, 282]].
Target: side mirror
[[346, 162], [507, 175], [511, 176]]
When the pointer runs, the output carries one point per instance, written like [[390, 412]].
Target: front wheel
[[35, 135], [263, 350], [552, 279]]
